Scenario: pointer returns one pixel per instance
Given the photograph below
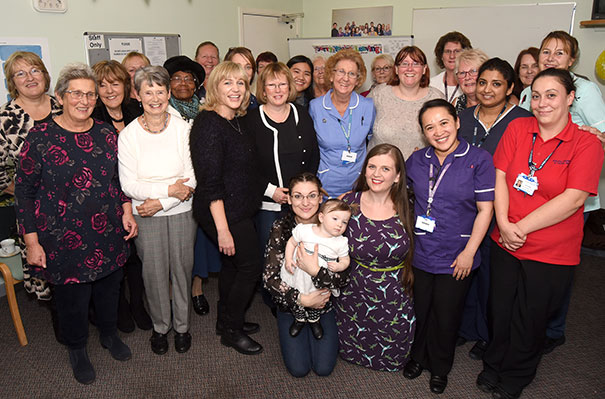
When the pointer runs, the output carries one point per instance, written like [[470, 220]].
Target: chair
[[12, 273]]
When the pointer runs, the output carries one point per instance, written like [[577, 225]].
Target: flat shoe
[[316, 329], [200, 305], [249, 328], [118, 349], [239, 341], [478, 350], [437, 383], [182, 342], [159, 343], [412, 369], [296, 327], [484, 384]]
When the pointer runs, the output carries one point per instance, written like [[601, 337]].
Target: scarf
[[187, 109]]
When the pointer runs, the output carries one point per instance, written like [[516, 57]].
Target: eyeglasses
[[34, 72], [383, 69], [412, 64], [274, 86], [78, 95], [299, 197], [449, 52], [341, 73], [462, 74], [180, 79]]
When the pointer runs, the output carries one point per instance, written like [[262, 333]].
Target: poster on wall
[[362, 22], [9, 45]]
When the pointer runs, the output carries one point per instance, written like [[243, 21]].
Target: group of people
[[379, 223], [350, 29]]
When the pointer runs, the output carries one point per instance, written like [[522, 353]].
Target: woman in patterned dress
[[375, 312]]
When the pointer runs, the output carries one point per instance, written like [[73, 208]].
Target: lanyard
[[449, 100], [532, 166], [487, 131], [433, 188], [347, 134]]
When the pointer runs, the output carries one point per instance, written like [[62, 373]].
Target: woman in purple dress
[[375, 312]]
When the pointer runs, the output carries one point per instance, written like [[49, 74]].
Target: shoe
[[118, 349], [412, 369], [84, 373], [551, 343], [297, 327], [249, 328], [182, 342], [240, 342], [500, 393], [478, 350], [316, 329], [484, 383], [159, 343], [141, 318], [200, 305], [437, 383], [460, 341]]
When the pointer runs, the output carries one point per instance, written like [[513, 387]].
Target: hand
[[280, 195], [306, 262], [511, 236], [290, 266], [10, 189], [337, 267], [36, 255], [225, 243], [130, 225], [462, 265], [316, 299], [600, 135], [180, 190], [149, 208], [341, 196]]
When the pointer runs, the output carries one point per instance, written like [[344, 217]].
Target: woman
[[74, 218], [161, 193], [303, 353], [286, 142], [27, 81], [454, 187], [343, 120], [302, 72], [537, 240], [264, 59], [375, 312], [446, 50], [186, 76], [526, 69], [397, 104], [382, 71], [227, 197], [320, 84], [115, 108], [467, 67], [134, 61], [243, 57]]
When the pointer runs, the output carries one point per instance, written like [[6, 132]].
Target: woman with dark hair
[[302, 72], [186, 76], [244, 58], [446, 50], [453, 184], [397, 104], [264, 59], [526, 69], [546, 167]]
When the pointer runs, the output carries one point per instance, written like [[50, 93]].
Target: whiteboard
[[499, 30], [368, 47]]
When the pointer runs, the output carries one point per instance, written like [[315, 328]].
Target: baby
[[332, 247]]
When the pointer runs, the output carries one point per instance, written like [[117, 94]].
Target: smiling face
[[111, 93], [450, 51], [345, 77], [243, 61], [550, 102], [306, 207], [319, 71], [133, 64], [334, 223], [528, 69], [78, 110], [492, 89], [554, 54], [231, 91], [441, 130], [30, 82], [382, 71], [468, 83], [207, 57], [381, 173], [154, 98], [302, 76], [410, 72], [276, 90], [182, 85]]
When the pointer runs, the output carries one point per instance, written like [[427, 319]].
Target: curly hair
[[351, 55], [450, 37]]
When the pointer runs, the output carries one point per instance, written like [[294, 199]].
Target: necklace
[[239, 130], [116, 120], [155, 131]]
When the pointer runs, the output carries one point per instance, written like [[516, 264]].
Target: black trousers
[[239, 273], [524, 295], [439, 303], [72, 302]]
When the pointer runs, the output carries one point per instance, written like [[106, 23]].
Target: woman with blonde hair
[[468, 63], [382, 71]]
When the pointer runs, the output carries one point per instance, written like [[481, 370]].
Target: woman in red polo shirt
[[545, 169]]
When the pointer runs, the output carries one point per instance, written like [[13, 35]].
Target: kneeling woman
[[454, 187]]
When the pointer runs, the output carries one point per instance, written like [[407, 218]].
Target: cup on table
[[7, 246]]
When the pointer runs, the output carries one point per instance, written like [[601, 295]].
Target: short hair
[[244, 52], [272, 71], [351, 55], [562, 75], [500, 65], [436, 103], [569, 42], [471, 55], [334, 204], [386, 57], [133, 54], [71, 72], [222, 71], [267, 56], [450, 37], [417, 55], [151, 74], [112, 71], [29, 58], [309, 93], [206, 43]]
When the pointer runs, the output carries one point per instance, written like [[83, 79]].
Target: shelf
[[593, 23]]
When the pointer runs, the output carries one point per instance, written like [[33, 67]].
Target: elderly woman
[[467, 68], [227, 197], [382, 71], [134, 61], [156, 172], [446, 50], [397, 104], [343, 121], [74, 218], [526, 69], [186, 76], [320, 84], [536, 244], [302, 72], [244, 58]]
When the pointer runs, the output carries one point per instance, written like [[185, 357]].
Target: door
[[265, 31]]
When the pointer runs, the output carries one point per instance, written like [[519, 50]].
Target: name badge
[[526, 184], [425, 223], [348, 157]]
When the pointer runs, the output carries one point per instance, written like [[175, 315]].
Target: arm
[[511, 236], [225, 240], [464, 261], [342, 264], [130, 225], [321, 277], [290, 248]]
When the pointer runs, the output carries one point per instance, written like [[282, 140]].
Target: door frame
[[264, 13]]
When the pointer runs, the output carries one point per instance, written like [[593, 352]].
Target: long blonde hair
[[222, 71]]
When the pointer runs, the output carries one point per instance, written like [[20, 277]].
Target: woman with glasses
[[74, 218], [320, 84], [397, 104], [186, 76], [382, 71], [467, 68], [343, 121], [446, 50]]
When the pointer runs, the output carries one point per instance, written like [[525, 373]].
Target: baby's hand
[[337, 266], [290, 266]]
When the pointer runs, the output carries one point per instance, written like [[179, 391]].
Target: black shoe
[[478, 350], [551, 343], [412, 369], [182, 342], [159, 343], [249, 328], [484, 383], [316, 329], [437, 383], [141, 317], [460, 341], [118, 349], [200, 305], [297, 327], [240, 342], [84, 373], [500, 393]]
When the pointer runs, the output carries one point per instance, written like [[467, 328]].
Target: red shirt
[[576, 163]]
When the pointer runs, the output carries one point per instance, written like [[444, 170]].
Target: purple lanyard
[[433, 189]]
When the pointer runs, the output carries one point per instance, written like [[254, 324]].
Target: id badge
[[348, 157], [425, 223], [526, 184]]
